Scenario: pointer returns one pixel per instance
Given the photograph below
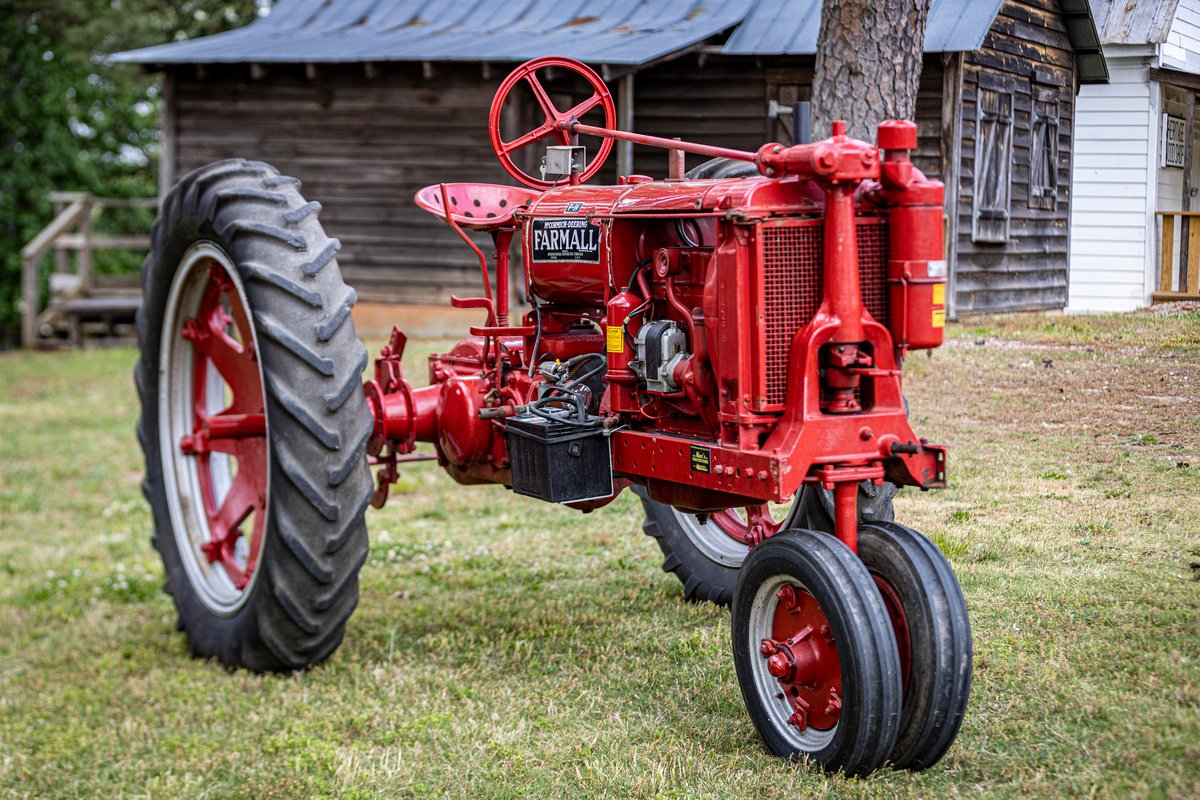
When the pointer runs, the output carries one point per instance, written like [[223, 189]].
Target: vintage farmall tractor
[[715, 344]]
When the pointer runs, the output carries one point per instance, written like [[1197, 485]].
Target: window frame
[[990, 222]]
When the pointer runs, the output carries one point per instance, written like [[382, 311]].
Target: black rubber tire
[[871, 692], [315, 539], [814, 507], [703, 579], [723, 168], [939, 679], [706, 580]]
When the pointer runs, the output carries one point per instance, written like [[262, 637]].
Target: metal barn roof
[[1125, 22], [778, 27], [317, 31], [616, 32]]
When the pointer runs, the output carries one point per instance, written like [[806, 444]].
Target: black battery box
[[559, 461]]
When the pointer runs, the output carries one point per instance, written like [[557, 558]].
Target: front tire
[[933, 637], [815, 654], [253, 425]]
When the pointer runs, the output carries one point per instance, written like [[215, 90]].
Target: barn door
[[993, 166]]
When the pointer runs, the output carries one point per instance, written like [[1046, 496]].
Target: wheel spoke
[[235, 362], [529, 138], [757, 525], [237, 506], [578, 111], [542, 98], [229, 425]]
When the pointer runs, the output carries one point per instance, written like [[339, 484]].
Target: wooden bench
[[79, 302]]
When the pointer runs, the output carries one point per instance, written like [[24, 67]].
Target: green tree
[[71, 121]]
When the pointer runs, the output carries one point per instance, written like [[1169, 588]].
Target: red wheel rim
[[757, 525], [213, 429], [801, 655], [895, 610], [223, 341], [527, 73]]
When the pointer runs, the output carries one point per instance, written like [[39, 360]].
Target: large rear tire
[[705, 553], [253, 425]]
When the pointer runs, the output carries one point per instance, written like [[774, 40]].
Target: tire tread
[[320, 484]]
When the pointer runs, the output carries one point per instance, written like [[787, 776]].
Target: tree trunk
[[868, 64]]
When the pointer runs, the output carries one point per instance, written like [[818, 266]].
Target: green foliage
[[71, 121]]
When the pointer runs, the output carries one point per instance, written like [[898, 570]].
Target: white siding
[[1182, 48], [1116, 165]]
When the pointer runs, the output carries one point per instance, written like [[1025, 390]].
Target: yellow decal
[[616, 339], [939, 318], [939, 294]]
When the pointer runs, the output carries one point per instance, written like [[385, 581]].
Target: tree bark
[[868, 64]]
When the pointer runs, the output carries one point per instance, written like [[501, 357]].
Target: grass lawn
[[506, 648]]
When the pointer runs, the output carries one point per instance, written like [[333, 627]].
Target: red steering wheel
[[528, 72]]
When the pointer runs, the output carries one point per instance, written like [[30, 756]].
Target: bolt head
[[767, 647], [779, 666], [787, 597]]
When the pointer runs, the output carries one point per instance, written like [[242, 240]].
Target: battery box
[[558, 461]]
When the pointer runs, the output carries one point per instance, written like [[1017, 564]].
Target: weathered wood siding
[[715, 100], [362, 146], [724, 101], [1113, 240], [1026, 54]]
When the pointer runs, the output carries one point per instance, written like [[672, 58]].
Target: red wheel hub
[[225, 363], [803, 657], [757, 525]]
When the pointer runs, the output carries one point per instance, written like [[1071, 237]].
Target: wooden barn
[[369, 100]]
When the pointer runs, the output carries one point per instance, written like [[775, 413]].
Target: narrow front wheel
[[933, 637], [815, 655]]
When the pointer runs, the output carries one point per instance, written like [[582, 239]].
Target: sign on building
[[1174, 131]]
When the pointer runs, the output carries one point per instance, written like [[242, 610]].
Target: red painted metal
[[475, 206], [657, 141], [555, 122], [799, 293], [222, 338], [752, 526], [895, 610], [802, 655]]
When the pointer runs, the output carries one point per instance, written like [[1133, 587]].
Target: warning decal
[[570, 239], [615, 339]]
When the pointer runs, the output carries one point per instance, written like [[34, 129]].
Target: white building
[[1135, 162]]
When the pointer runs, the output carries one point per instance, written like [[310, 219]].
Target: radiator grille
[[872, 267], [792, 260]]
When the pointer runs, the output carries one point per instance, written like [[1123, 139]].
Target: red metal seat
[[477, 206]]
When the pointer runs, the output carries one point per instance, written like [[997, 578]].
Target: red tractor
[[714, 343]]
